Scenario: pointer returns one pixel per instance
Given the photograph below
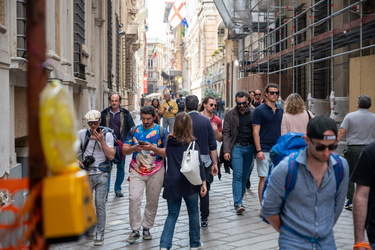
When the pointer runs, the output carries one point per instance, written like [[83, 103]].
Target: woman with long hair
[[158, 111], [295, 116], [177, 187]]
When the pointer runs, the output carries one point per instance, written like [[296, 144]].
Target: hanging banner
[[145, 84]]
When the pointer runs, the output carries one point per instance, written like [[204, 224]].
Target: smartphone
[[98, 130], [142, 143]]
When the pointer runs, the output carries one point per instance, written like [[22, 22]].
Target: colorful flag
[[154, 52], [177, 13]]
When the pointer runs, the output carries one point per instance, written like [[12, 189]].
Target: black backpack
[[181, 104]]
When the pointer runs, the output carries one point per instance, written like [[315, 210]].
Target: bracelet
[[256, 152], [361, 244]]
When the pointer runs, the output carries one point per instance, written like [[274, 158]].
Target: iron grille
[[21, 29], [79, 37]]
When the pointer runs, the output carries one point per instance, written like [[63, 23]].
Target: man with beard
[[266, 130], [147, 143], [207, 109], [120, 121], [238, 146], [305, 218]]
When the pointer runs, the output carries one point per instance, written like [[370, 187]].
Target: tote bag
[[190, 165]]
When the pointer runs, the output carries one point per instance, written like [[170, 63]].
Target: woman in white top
[[295, 116]]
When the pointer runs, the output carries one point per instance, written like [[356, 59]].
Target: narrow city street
[[226, 229]]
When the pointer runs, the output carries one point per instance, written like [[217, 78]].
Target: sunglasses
[[91, 123], [241, 103], [323, 147], [257, 94], [212, 104], [274, 93]]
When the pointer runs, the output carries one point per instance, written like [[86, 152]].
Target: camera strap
[[87, 139]]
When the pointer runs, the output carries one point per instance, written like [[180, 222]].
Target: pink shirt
[[295, 123]]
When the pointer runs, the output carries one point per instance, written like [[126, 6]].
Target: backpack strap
[[86, 142], [339, 170], [291, 177]]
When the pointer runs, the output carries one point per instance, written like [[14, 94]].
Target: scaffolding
[[303, 38]]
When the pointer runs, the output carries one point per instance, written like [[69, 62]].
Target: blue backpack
[[289, 145]]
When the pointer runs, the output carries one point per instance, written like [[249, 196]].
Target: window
[[109, 38], [79, 37], [117, 54], [21, 28]]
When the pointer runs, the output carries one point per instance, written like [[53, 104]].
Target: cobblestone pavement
[[226, 229]]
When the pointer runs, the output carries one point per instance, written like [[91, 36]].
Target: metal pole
[[36, 78]]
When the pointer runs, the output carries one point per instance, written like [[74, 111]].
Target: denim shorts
[[263, 165]]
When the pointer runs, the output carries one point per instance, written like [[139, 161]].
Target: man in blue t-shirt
[[266, 130]]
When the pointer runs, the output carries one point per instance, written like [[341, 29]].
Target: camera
[[88, 161]]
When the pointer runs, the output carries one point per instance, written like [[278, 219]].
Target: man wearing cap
[[306, 218], [96, 152], [120, 121], [359, 128]]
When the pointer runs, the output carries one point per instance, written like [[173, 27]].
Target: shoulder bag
[[190, 165]]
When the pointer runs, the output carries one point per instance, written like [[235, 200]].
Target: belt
[[243, 144]]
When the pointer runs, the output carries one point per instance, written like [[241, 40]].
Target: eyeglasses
[[212, 104], [274, 93], [91, 123], [257, 94], [323, 147], [241, 103]]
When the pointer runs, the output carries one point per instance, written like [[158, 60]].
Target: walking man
[[180, 103], [257, 98], [97, 151], [364, 199], [266, 130], [169, 108], [305, 218], [120, 121], [359, 128], [147, 143], [207, 109], [238, 146], [204, 133], [220, 107]]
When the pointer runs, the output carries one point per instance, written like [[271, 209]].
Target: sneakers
[[239, 209], [204, 223], [349, 204], [133, 237], [196, 248], [119, 194], [146, 234], [99, 240]]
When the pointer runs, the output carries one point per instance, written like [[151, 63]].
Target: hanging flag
[[153, 52], [184, 22], [177, 13]]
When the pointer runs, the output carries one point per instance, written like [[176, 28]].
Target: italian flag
[[153, 52]]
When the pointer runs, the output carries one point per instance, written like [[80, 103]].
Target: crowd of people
[[304, 215]]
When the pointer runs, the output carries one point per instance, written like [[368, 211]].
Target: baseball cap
[[320, 124], [92, 116]]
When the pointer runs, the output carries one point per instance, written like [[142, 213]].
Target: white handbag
[[190, 165]]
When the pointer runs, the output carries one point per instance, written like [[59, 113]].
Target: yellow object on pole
[[58, 129]]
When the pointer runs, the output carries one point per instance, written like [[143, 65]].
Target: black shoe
[[204, 223], [119, 194], [248, 184]]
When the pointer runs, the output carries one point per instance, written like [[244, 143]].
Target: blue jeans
[[174, 206], [120, 175], [242, 159]]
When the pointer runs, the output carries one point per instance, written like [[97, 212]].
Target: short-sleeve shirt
[[359, 126], [217, 121], [364, 174], [147, 162], [270, 125]]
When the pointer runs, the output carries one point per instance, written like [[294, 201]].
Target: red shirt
[[217, 121]]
